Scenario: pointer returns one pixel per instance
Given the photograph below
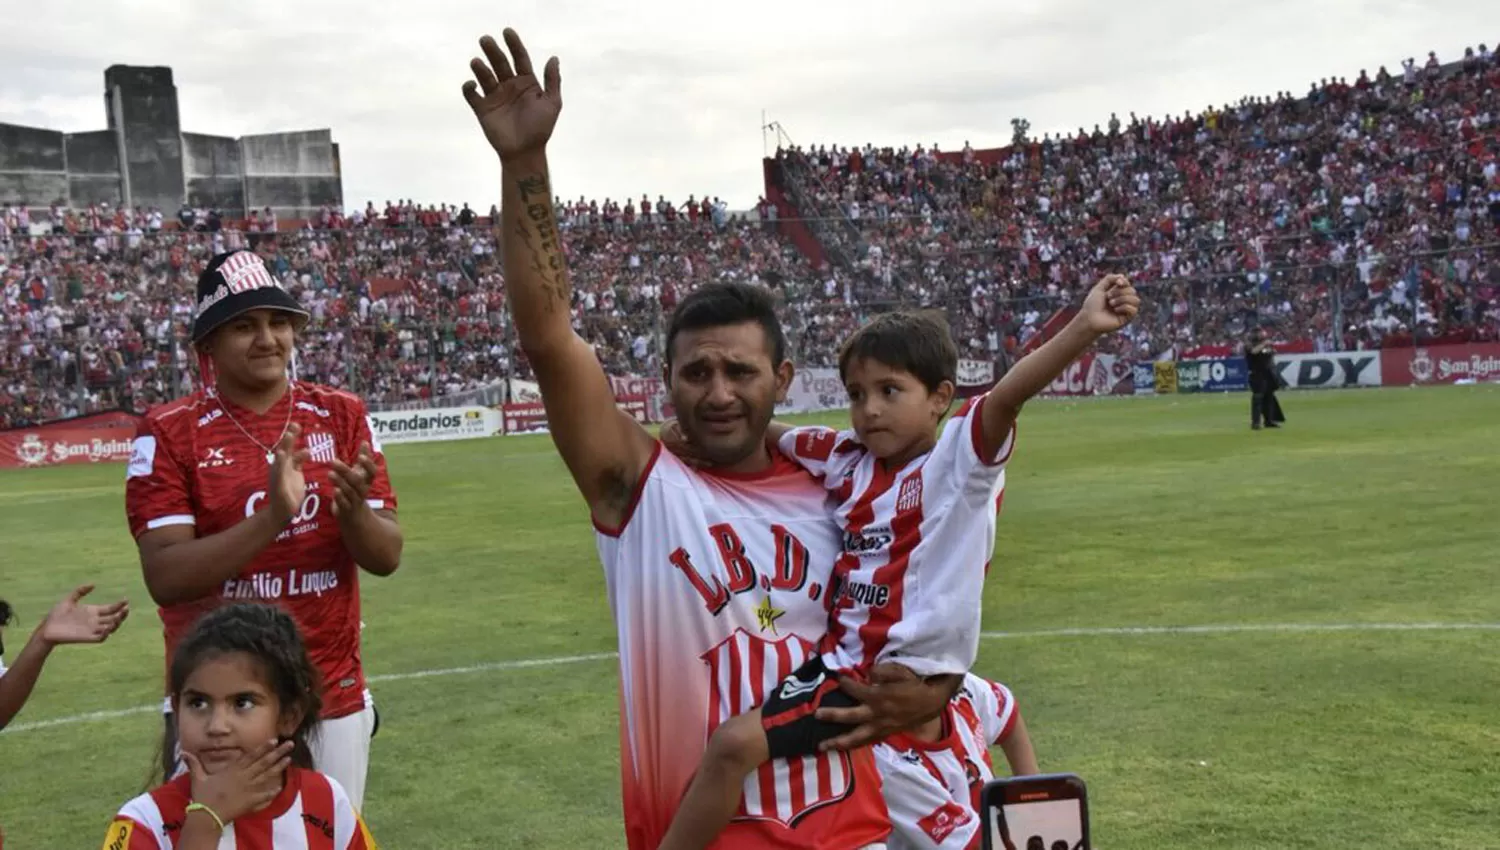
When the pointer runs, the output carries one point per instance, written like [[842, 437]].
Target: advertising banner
[[97, 438], [1330, 369], [526, 417], [438, 423], [1189, 376], [1144, 376], [1094, 374], [1440, 364], [1221, 374], [1165, 374], [50, 445], [530, 417]]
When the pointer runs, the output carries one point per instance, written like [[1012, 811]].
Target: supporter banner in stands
[[1440, 364], [530, 417], [1330, 369], [975, 377], [1094, 374], [102, 438], [818, 388], [518, 391], [1227, 374], [437, 423]]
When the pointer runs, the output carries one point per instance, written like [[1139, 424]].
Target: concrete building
[[144, 159]]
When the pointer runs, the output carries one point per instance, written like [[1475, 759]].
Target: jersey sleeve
[[158, 490], [995, 706], [824, 452], [924, 814], [956, 462], [382, 496], [349, 829], [126, 833]]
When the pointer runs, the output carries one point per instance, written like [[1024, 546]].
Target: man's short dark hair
[[718, 304], [915, 341]]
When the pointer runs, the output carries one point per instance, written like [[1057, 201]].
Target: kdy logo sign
[[1330, 370]]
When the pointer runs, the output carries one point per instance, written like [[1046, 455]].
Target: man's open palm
[[516, 112]]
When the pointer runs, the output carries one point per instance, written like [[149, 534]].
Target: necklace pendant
[[270, 458]]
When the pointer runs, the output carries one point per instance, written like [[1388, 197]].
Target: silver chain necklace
[[291, 405]]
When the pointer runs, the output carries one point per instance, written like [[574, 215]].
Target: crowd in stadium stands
[[1364, 214], [1384, 189]]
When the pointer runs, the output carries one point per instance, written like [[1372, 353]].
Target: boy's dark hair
[[719, 304], [915, 341], [270, 636]]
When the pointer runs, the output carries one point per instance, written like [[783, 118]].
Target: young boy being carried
[[918, 512]]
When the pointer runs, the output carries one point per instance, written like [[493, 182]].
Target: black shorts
[[787, 714]]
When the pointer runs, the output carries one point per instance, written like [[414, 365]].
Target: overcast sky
[[666, 96]]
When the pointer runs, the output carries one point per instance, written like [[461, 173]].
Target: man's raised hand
[[515, 111], [1110, 305]]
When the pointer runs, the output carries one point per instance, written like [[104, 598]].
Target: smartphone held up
[[1043, 812]]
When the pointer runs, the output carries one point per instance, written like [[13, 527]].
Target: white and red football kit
[[932, 787], [312, 812], [917, 543], [192, 465], [716, 583]]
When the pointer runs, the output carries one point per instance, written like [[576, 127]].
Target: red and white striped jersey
[[932, 788], [312, 812], [917, 542], [716, 583]]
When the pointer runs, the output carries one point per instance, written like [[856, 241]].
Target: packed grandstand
[[1360, 216]]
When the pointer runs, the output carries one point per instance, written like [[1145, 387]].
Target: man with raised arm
[[717, 577]]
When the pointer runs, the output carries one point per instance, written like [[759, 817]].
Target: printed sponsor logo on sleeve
[[118, 837], [142, 458]]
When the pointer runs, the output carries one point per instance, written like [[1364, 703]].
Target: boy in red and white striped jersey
[[933, 775], [917, 509], [246, 696]]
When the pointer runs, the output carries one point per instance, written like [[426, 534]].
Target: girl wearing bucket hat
[[259, 486]]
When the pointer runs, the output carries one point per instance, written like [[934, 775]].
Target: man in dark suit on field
[[1260, 359]]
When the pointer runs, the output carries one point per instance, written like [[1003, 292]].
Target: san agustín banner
[[1440, 364], [437, 423], [100, 438]]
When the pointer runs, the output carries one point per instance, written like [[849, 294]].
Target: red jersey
[[193, 465], [312, 812]]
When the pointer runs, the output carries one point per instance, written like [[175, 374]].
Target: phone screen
[[1041, 825]]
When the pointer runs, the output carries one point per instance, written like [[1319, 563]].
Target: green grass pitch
[[1372, 508]]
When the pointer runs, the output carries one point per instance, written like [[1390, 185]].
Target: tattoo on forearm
[[535, 186], [538, 233]]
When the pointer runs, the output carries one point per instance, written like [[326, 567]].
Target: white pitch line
[[558, 661], [1249, 627]]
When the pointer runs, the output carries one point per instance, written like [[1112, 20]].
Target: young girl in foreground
[[245, 696]]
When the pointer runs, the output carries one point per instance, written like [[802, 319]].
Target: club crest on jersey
[[320, 448], [910, 497], [783, 791]]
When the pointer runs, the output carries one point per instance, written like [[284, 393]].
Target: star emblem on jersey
[[767, 615]]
